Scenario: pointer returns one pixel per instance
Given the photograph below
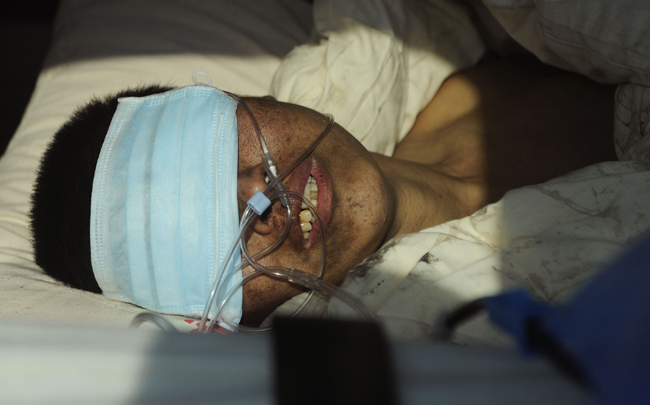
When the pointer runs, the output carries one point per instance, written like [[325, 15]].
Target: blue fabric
[[605, 327], [164, 207], [510, 311]]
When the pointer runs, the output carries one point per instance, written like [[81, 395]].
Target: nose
[[248, 183]]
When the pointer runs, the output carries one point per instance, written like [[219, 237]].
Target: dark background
[[25, 35]]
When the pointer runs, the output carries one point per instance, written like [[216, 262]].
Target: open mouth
[[313, 181], [306, 217]]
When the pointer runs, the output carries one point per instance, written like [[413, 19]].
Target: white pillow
[[377, 63]]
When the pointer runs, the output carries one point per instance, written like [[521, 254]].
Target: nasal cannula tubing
[[276, 272], [292, 275], [274, 190], [274, 183]]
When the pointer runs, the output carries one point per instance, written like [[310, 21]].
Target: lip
[[297, 182]]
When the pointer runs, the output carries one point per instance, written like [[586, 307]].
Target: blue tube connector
[[259, 202]]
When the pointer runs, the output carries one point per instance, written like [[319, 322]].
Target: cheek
[[363, 207], [360, 220]]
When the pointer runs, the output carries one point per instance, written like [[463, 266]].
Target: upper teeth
[[306, 218]]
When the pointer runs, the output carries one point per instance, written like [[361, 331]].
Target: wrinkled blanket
[[375, 64], [549, 238]]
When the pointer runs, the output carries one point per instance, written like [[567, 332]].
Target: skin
[[362, 201], [493, 128]]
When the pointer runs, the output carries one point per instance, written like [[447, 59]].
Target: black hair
[[60, 203]]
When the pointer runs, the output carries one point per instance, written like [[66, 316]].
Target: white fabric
[[603, 39], [632, 122], [549, 238], [102, 47], [375, 64]]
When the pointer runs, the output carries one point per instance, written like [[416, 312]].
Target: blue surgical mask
[[164, 201]]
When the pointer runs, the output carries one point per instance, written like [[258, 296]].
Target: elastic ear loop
[[197, 74]]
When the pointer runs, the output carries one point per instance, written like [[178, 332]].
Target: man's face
[[354, 202]]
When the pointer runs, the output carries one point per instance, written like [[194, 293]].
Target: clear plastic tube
[[260, 269], [274, 190], [267, 158], [154, 318], [307, 152], [311, 281], [306, 280], [252, 258], [216, 284]]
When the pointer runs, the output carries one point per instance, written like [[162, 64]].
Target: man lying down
[[490, 129]]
